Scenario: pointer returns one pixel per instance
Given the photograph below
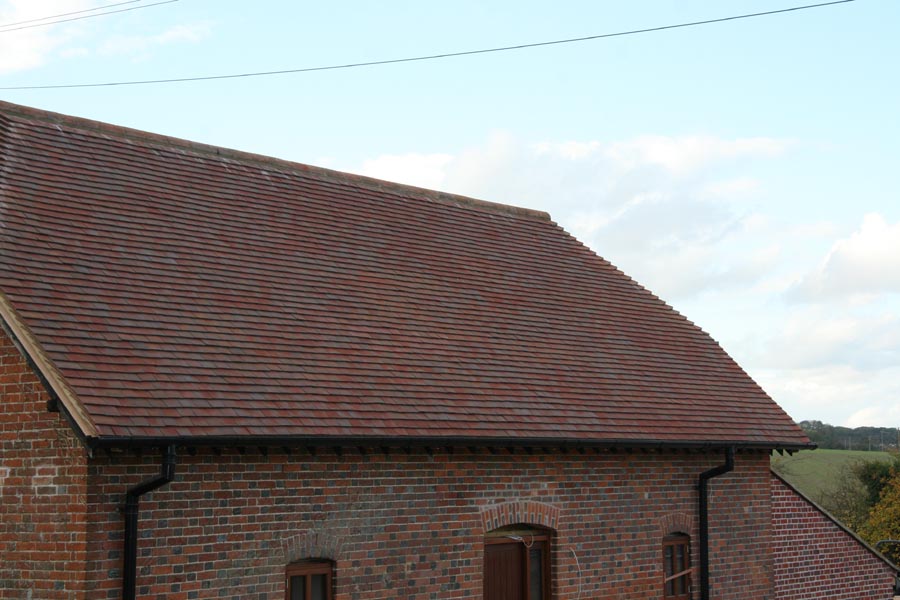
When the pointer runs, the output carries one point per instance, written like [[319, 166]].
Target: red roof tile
[[174, 289]]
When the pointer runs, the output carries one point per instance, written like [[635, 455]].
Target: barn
[[224, 375]]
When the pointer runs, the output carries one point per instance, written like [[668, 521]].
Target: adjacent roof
[[170, 289]]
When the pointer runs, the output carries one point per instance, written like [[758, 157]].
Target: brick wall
[[402, 525], [42, 490], [815, 558], [412, 525], [740, 532]]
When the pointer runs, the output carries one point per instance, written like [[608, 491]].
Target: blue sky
[[747, 172]]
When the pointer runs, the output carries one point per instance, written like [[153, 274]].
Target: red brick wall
[[741, 532], [412, 525], [398, 526], [42, 490], [815, 558]]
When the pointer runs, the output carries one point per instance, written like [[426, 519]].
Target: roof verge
[[23, 337]]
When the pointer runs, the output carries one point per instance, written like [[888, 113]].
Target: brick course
[[43, 477], [815, 558], [412, 525]]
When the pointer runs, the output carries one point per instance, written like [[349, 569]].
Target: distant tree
[[844, 438], [818, 432], [858, 490], [847, 501], [883, 522], [875, 475]]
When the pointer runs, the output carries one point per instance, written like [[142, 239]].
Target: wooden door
[[504, 571]]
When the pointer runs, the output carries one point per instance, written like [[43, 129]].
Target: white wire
[[519, 538], [578, 566]]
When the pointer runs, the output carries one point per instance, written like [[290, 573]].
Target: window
[[677, 566], [517, 564], [309, 580]]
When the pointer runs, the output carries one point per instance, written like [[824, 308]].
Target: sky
[[747, 172]]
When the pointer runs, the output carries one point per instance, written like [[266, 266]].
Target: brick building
[[229, 376], [817, 557]]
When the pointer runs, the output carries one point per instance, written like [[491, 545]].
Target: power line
[[76, 12], [111, 12], [426, 57]]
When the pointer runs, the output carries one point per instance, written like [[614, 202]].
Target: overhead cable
[[425, 57], [75, 12], [8, 28]]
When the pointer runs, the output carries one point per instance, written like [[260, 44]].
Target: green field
[[816, 472]]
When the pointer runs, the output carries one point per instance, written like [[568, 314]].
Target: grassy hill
[[816, 472]]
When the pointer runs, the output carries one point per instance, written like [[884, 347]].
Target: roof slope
[[185, 290]]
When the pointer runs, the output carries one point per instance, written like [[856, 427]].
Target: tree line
[[859, 438]]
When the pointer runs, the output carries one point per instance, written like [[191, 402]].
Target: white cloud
[[655, 206], [423, 170], [32, 47], [814, 229], [865, 263], [684, 154], [840, 395], [570, 150], [29, 48], [730, 188], [75, 52], [675, 154], [814, 337], [835, 363], [875, 416], [139, 46]]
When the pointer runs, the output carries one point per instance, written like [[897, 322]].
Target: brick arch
[[312, 544], [676, 522], [528, 512]]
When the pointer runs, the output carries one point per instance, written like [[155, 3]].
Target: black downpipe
[[132, 504], [704, 518]]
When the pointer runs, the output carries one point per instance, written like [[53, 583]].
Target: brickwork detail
[[522, 511], [815, 558], [312, 544], [43, 494], [676, 523], [412, 525]]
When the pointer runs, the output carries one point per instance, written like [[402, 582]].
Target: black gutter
[[232, 441], [132, 510], [704, 517]]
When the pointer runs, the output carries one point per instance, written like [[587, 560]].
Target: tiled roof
[[175, 289]]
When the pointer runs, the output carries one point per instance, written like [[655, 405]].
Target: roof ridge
[[9, 109]]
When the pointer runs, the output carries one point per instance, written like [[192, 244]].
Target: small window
[[517, 565], [310, 580], [677, 566]]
